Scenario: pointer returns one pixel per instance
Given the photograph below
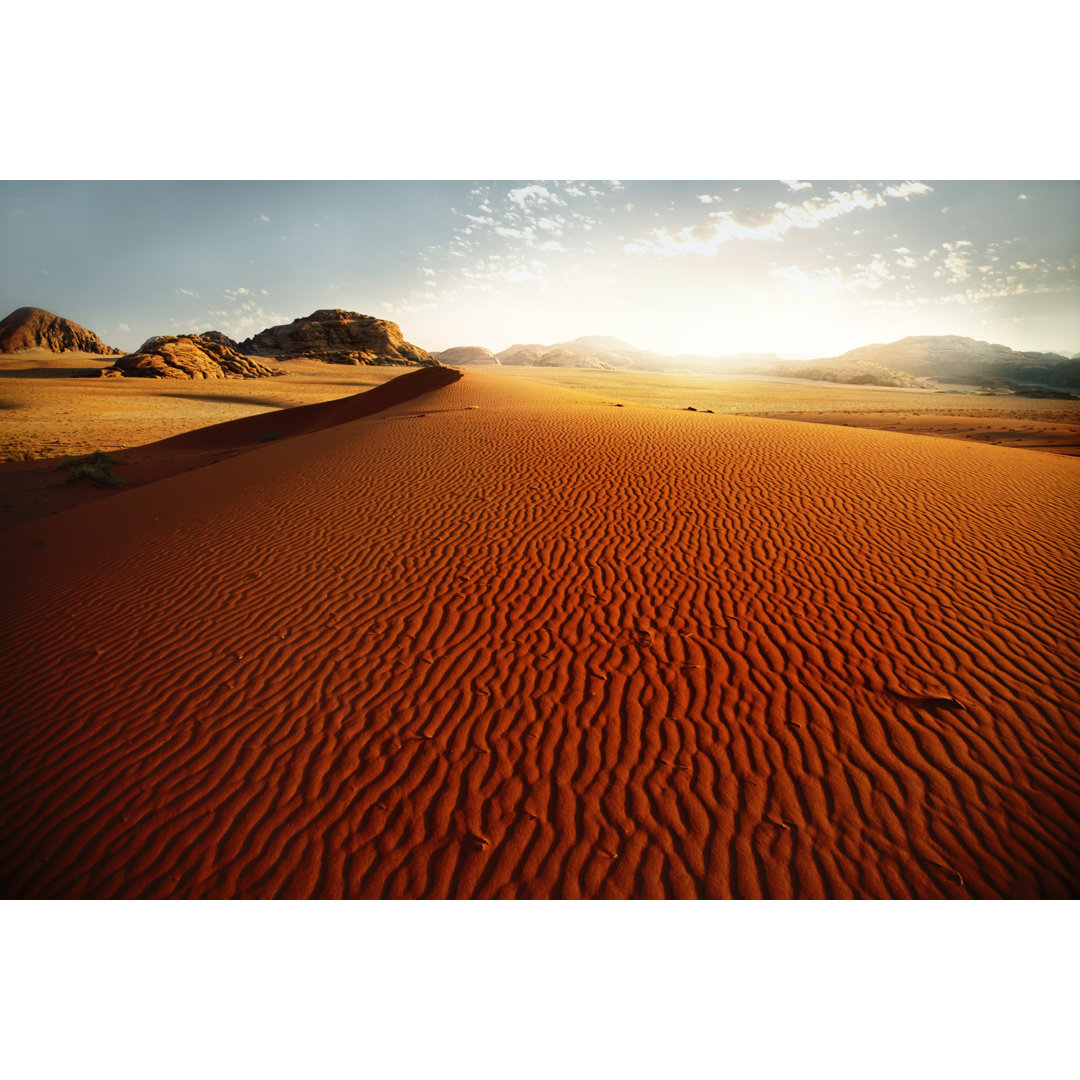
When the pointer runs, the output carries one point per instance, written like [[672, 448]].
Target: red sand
[[503, 640]]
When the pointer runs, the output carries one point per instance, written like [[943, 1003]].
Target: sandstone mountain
[[466, 354], [35, 328], [947, 358], [337, 337], [189, 356]]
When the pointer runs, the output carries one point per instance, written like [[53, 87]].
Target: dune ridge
[[504, 640]]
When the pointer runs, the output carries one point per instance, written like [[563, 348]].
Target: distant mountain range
[[347, 337], [949, 359], [605, 353], [913, 362]]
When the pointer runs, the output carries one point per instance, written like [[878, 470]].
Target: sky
[[800, 268]]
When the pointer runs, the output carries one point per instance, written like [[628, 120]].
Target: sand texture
[[503, 639]]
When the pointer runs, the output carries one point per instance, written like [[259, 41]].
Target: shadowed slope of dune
[[34, 489], [307, 418], [502, 640]]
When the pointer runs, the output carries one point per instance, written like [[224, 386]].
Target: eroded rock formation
[[189, 356], [338, 337], [35, 328]]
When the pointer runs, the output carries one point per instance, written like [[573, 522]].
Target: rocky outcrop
[[466, 354], [189, 356], [35, 328], [851, 373], [218, 338], [338, 337]]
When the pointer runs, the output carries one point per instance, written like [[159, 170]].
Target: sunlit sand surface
[[507, 639]]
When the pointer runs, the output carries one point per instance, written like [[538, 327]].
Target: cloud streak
[[771, 222]]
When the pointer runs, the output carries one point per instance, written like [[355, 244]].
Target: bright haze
[[800, 268]]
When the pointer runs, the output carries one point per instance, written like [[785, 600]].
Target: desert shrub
[[97, 468]]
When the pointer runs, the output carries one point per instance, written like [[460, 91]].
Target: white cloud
[[246, 318], [528, 233], [907, 189], [531, 194], [770, 223], [1021, 196], [791, 273], [263, 218], [796, 185], [710, 198], [187, 292], [551, 245], [123, 326], [992, 281], [871, 275], [876, 272], [957, 264], [954, 268]]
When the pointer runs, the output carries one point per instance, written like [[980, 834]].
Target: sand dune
[[499, 639]]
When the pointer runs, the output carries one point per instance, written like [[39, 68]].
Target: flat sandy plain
[[537, 634]]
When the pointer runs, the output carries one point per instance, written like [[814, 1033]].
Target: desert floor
[[488, 635], [54, 410]]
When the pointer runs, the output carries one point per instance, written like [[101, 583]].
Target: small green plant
[[97, 468], [270, 436]]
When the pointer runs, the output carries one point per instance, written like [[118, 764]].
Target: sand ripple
[[499, 640]]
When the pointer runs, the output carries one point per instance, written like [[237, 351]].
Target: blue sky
[[800, 268]]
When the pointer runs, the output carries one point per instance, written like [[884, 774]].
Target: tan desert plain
[[320, 615]]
